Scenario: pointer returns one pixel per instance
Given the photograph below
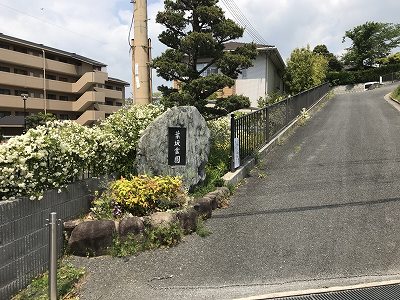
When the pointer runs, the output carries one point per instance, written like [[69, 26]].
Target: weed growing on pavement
[[67, 277], [304, 116], [201, 228]]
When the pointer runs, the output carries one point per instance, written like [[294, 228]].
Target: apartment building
[[65, 84]]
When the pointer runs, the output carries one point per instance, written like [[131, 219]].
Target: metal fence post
[[53, 256], [287, 110], [233, 134]]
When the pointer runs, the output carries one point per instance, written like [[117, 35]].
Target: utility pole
[[140, 54]]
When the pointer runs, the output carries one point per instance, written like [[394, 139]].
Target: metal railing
[[249, 133], [391, 77]]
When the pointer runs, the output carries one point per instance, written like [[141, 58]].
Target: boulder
[[130, 225], [160, 219], [219, 195], [188, 220], [153, 146], [70, 225], [203, 208], [92, 238], [213, 201]]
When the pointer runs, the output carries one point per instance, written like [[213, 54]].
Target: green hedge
[[352, 77]]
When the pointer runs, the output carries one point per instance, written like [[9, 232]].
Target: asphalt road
[[322, 209]]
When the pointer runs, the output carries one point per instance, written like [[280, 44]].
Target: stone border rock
[[95, 237]]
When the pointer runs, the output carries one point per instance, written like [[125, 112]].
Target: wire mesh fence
[[253, 131]]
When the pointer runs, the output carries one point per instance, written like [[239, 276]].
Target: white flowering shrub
[[52, 155], [127, 125], [220, 142]]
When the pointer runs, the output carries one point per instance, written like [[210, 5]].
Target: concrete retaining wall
[[24, 236]]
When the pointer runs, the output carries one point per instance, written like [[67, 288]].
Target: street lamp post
[[24, 97]]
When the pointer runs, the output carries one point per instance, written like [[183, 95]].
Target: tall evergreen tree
[[196, 31]]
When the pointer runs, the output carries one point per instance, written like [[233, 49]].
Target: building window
[[64, 117], [118, 103], [4, 69], [109, 87], [244, 74], [5, 92], [4, 46], [4, 113], [20, 71], [51, 77], [20, 49], [118, 88], [210, 70], [63, 79], [19, 92], [63, 98], [109, 102], [51, 96]]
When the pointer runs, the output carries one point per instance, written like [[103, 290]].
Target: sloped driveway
[[323, 209]]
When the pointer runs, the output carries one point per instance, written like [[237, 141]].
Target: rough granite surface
[[152, 156]]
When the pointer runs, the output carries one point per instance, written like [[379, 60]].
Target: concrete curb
[[393, 99], [233, 178]]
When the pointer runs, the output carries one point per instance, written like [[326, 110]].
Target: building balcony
[[110, 93], [108, 109], [91, 116], [9, 102], [36, 62], [30, 82]]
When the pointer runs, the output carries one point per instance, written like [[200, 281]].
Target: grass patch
[[167, 236], [67, 277], [396, 93], [201, 229], [213, 180], [128, 247]]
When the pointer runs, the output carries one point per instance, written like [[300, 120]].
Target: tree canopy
[[305, 70], [333, 62], [390, 60], [195, 33], [370, 41], [32, 121]]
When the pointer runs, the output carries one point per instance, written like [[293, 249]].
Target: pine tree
[[195, 33]]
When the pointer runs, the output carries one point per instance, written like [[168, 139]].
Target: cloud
[[99, 28]]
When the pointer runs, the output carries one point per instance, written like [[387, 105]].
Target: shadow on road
[[307, 208]]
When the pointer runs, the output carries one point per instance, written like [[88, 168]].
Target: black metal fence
[[392, 77], [249, 133]]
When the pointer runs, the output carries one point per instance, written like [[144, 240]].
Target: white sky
[[99, 29]]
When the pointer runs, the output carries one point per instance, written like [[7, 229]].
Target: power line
[[240, 18], [49, 23]]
